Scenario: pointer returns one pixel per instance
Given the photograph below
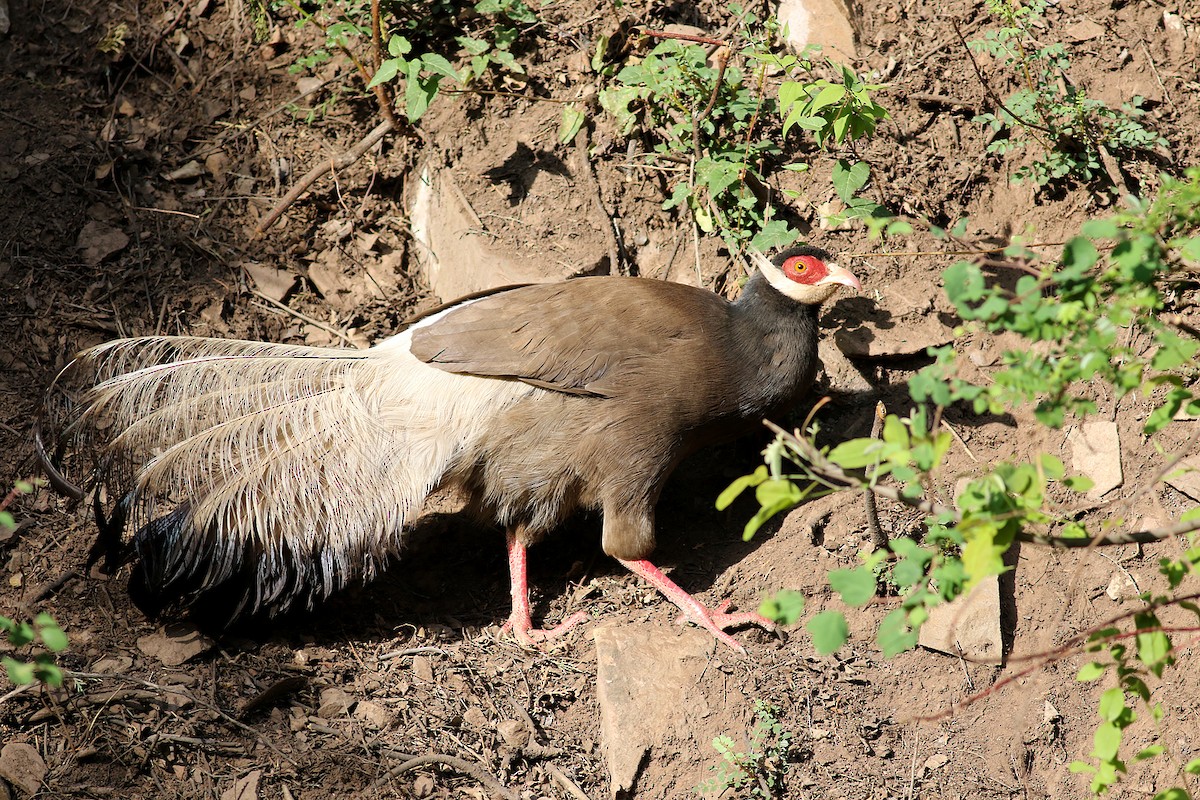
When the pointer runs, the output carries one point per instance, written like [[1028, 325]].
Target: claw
[[714, 620]]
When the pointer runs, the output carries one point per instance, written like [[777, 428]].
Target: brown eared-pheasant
[[270, 475]]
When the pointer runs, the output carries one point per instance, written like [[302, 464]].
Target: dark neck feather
[[777, 340]]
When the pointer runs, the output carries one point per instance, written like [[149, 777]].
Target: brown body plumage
[[275, 474]]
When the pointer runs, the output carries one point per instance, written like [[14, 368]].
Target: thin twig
[[474, 770], [616, 253], [878, 538], [381, 90], [319, 171], [160, 690], [569, 786], [992, 94], [687, 37], [305, 318]]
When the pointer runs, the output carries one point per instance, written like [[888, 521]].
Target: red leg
[[713, 620], [519, 621]]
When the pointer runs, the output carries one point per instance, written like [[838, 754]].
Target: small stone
[[22, 766], [334, 703], [1050, 714], [968, 625], [1096, 452], [372, 714], [936, 761], [1186, 478], [422, 668], [474, 717], [1122, 587], [175, 643], [514, 733]]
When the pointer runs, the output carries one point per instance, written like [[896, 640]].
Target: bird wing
[[588, 336]]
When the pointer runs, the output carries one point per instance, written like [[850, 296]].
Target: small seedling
[[1076, 133], [760, 770]]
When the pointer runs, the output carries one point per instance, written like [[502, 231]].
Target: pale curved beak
[[840, 275]]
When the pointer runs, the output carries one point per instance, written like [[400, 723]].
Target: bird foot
[[714, 620], [725, 621], [521, 627]]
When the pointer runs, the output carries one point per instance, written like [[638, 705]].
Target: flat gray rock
[[968, 626], [647, 685]]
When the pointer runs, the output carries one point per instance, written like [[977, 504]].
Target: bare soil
[[132, 178]]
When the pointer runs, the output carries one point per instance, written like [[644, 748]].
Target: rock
[[968, 626], [422, 668], [1186, 478], [513, 733], [904, 338], [1122, 587], [244, 788], [22, 766], [1083, 31], [1096, 452], [372, 714], [824, 22], [458, 255], [334, 703], [112, 665], [175, 643], [272, 282], [1050, 714], [647, 685], [843, 376]]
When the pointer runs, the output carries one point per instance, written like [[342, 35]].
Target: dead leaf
[[98, 241], [175, 643], [272, 282], [245, 788]]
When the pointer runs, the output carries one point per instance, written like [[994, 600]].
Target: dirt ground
[[141, 145]]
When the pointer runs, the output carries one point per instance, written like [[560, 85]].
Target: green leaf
[[387, 72], [52, 635], [1079, 483], [894, 635], [829, 631], [849, 178], [1106, 741], [739, 485], [1149, 752], [475, 47], [419, 92], [1051, 466], [1174, 793], [856, 453], [439, 65], [1100, 229], [1112, 705], [783, 607], [826, 97], [1192, 767], [19, 672], [572, 121], [856, 586], [982, 554], [399, 46], [1154, 648], [775, 235]]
